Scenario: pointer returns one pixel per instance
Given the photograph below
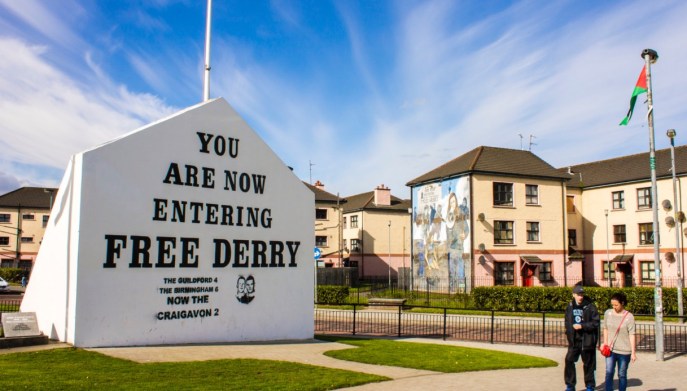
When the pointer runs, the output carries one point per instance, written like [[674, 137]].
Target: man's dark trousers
[[588, 363]]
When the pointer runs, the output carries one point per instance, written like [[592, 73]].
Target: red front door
[[527, 275]]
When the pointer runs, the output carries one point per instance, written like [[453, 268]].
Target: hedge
[[11, 274], [332, 294], [640, 300]]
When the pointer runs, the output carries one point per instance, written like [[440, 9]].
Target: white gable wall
[[135, 302]]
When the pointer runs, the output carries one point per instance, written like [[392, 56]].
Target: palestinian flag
[[640, 88]]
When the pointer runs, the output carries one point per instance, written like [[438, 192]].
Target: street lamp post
[[678, 249], [389, 258], [608, 257]]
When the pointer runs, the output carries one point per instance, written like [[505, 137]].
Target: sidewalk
[[645, 374]]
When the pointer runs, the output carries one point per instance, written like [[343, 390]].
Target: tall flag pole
[[206, 83], [650, 56]]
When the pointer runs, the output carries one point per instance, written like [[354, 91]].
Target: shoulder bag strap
[[620, 324]]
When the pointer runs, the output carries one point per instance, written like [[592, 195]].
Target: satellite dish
[[666, 205], [481, 217], [670, 257], [670, 221]]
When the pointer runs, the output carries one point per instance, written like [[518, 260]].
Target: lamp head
[[671, 133]]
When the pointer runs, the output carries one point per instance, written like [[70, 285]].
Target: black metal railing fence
[[536, 328]]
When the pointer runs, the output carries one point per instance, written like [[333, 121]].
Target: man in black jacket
[[582, 330]]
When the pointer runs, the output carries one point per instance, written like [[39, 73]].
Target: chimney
[[319, 185], [382, 196]]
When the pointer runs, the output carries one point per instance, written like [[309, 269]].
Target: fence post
[[543, 331], [444, 323], [354, 312], [491, 338], [427, 289], [399, 320]]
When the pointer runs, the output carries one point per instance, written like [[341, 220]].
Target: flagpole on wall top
[[650, 56], [206, 82]]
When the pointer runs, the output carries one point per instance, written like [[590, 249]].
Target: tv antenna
[[531, 143], [311, 164]]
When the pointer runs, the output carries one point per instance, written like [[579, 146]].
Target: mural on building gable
[[441, 234]]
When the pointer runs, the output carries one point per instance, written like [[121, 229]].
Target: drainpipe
[[565, 233], [362, 243], [18, 248]]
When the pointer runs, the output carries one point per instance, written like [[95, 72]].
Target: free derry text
[[142, 251]]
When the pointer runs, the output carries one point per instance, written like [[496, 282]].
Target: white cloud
[[45, 116], [42, 19], [569, 86], [444, 83]]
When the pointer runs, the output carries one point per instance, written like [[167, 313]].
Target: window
[[354, 221], [25, 239], [606, 270], [532, 194], [570, 204], [572, 237], [503, 194], [355, 245], [320, 214], [503, 232], [618, 200], [28, 216], [320, 241], [45, 220], [345, 220], [25, 265], [503, 273], [646, 233], [345, 243], [644, 198], [619, 234], [532, 231], [4, 240], [7, 263], [545, 272], [646, 270], [5, 218]]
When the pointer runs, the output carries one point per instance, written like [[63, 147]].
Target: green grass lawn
[[77, 369], [432, 357]]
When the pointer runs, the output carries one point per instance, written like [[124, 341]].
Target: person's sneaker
[[569, 388], [590, 388]]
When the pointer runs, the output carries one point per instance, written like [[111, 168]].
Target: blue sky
[[370, 92]]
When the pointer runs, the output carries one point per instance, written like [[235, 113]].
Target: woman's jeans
[[623, 361]]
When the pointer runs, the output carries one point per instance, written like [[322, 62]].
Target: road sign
[[318, 253]]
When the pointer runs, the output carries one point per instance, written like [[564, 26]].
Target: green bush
[[332, 294], [11, 274], [640, 300]]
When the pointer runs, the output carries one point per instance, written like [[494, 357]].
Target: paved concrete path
[[646, 374]]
